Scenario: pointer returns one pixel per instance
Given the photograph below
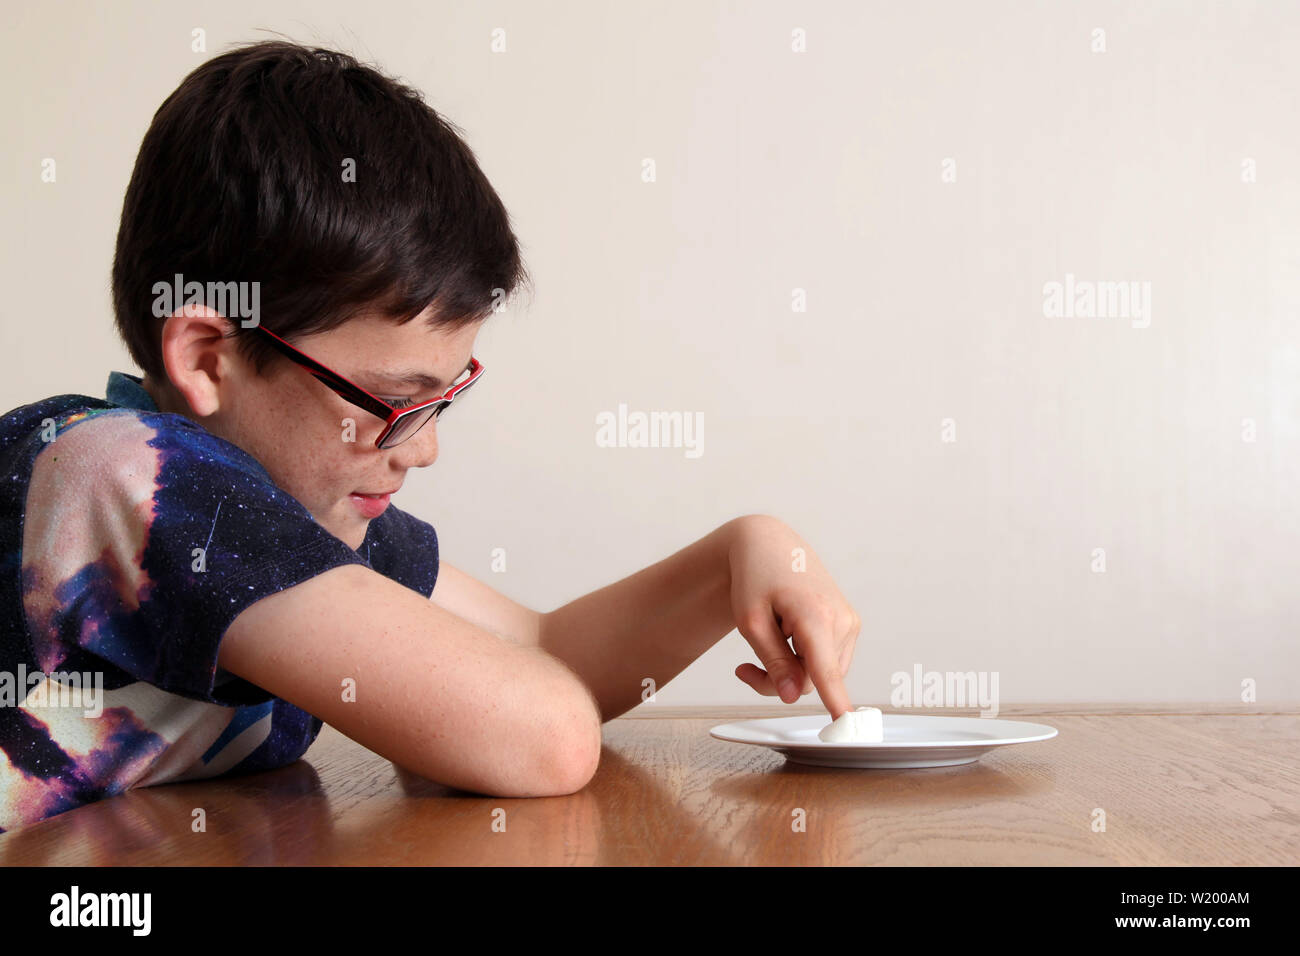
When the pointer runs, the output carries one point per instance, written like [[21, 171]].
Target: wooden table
[[1203, 789]]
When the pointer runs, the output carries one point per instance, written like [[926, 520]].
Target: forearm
[[652, 624]]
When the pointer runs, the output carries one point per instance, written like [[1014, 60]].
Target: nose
[[418, 451]]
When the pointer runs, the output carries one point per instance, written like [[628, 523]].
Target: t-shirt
[[130, 539]]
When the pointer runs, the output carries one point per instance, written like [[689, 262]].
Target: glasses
[[399, 423]]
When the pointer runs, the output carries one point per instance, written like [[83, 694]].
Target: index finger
[[814, 637]]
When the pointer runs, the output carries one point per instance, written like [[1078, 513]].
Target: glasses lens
[[408, 425]]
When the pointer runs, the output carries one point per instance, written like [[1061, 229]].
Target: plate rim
[[817, 744]]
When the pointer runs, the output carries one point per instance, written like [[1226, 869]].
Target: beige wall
[[819, 171]]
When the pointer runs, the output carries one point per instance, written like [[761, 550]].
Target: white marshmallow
[[865, 725]]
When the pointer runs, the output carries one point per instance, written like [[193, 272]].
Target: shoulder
[[124, 454], [144, 535], [26, 430], [116, 461], [97, 447], [142, 490]]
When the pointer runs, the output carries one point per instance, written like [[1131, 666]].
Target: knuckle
[[751, 621], [849, 622], [827, 614], [778, 668]]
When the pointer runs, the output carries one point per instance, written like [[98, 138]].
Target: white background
[[818, 171]]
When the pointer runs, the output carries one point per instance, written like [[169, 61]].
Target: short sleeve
[[402, 547], [144, 537]]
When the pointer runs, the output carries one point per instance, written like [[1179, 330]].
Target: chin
[[354, 531], [348, 528]]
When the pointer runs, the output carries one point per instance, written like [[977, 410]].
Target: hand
[[772, 602]]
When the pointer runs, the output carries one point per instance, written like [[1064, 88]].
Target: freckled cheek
[[341, 455], [310, 458]]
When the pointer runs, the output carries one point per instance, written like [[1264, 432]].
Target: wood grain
[[1176, 789]]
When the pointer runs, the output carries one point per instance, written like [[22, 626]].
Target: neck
[[163, 395]]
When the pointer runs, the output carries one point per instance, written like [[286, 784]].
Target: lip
[[371, 505]]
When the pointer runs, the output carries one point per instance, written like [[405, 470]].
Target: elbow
[[574, 735], [570, 744], [555, 756], [553, 748], [577, 756], [556, 764]]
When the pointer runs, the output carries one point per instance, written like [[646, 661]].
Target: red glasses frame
[[393, 417]]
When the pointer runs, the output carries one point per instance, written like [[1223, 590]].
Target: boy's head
[[358, 224]]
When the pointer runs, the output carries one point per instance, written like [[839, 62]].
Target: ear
[[198, 356]]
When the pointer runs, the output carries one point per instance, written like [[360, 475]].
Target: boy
[[203, 567]]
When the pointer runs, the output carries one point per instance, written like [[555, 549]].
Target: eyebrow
[[418, 378]]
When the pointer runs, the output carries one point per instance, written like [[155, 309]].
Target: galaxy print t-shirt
[[129, 541]]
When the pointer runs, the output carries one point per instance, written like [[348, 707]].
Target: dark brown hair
[[240, 177]]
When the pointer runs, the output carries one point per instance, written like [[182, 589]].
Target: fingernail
[[789, 688]]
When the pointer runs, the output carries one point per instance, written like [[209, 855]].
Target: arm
[[434, 693], [651, 624], [656, 622], [477, 603]]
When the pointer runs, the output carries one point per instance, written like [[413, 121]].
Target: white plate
[[910, 740]]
